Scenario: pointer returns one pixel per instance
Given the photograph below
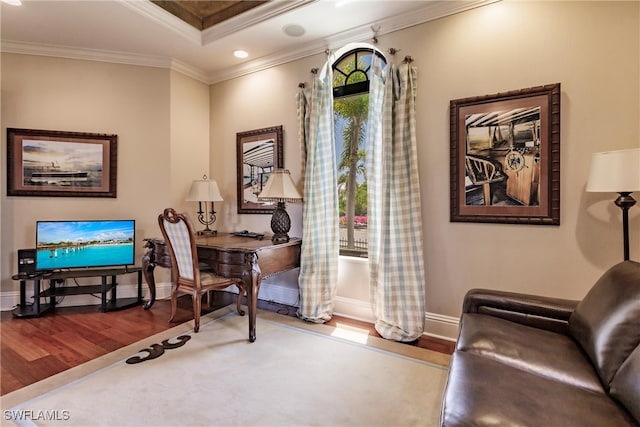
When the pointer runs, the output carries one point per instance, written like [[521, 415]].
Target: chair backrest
[[178, 235]]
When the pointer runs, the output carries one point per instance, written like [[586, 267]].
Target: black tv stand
[[107, 289]]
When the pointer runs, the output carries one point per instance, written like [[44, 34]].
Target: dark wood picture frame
[[61, 164], [259, 152], [505, 157]]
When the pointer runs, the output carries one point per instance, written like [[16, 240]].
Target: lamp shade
[[615, 171], [204, 190], [280, 188]]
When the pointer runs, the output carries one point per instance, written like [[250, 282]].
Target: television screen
[[83, 244]]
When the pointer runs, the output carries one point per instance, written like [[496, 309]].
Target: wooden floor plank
[[32, 349]]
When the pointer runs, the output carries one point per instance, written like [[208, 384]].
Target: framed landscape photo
[[259, 152], [505, 157], [61, 164]]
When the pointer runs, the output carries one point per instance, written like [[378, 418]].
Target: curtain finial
[[302, 85], [374, 30], [408, 59]]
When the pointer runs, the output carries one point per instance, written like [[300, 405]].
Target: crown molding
[[26, 48], [429, 13], [164, 18], [250, 18], [366, 32]]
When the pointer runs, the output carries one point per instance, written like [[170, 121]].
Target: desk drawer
[[227, 264], [213, 256], [278, 258]]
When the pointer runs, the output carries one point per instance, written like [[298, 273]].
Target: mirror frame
[[255, 162]]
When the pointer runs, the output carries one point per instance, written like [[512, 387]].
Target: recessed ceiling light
[[13, 2], [341, 3], [240, 53], [293, 30]]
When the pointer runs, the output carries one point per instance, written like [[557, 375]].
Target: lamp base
[[280, 224], [280, 238], [207, 233]]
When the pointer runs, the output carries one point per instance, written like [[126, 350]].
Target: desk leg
[[139, 286], [147, 270], [252, 277]]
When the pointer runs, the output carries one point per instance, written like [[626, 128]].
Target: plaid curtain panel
[[320, 234], [396, 263]]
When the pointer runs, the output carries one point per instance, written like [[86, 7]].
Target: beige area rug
[[294, 374]]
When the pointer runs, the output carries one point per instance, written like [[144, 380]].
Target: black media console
[[106, 289]]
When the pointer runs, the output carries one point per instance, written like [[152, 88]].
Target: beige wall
[[189, 155], [591, 48], [161, 119], [164, 120], [255, 101]]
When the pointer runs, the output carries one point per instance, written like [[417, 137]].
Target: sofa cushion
[[539, 351], [625, 387], [606, 323], [484, 392]]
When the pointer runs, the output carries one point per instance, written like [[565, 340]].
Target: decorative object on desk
[[205, 191], [617, 172], [247, 233], [61, 164], [280, 188], [259, 152]]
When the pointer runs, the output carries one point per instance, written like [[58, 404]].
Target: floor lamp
[[617, 172]]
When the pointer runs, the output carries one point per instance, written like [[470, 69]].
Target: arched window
[[351, 75]]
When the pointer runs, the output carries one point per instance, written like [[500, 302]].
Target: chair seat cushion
[[539, 351], [209, 279], [484, 392]]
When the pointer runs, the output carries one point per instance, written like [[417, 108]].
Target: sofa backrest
[[606, 323]]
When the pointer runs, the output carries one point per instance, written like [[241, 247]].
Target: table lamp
[[617, 172], [280, 188], [205, 191]]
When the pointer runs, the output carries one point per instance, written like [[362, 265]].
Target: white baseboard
[[440, 326], [436, 325]]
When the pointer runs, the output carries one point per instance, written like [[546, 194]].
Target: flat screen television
[[84, 244]]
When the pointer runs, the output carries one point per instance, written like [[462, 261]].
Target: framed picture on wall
[[505, 157], [259, 152], [61, 164]]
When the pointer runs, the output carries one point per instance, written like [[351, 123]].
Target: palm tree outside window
[[351, 75]]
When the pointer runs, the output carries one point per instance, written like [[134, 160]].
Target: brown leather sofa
[[524, 360]]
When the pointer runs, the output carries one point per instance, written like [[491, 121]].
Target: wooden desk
[[243, 258]]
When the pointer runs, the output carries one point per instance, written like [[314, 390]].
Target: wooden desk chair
[[187, 276]]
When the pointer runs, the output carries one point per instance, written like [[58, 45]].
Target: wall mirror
[[259, 152]]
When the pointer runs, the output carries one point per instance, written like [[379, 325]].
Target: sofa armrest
[[531, 310]]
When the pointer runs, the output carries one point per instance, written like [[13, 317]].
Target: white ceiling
[[139, 32]]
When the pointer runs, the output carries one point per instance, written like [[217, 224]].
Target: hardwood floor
[[36, 348]]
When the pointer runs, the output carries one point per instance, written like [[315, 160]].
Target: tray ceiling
[[204, 14]]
